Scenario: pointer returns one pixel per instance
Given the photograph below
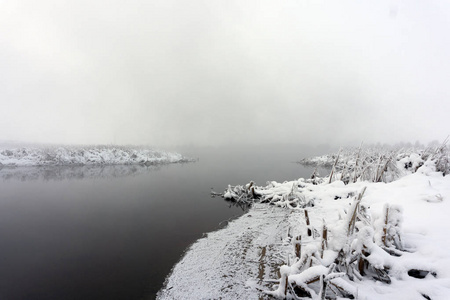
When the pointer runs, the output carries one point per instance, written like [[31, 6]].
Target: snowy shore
[[389, 242], [81, 156], [232, 263]]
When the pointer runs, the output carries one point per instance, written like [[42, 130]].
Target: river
[[115, 232]]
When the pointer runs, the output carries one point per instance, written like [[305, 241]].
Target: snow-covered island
[[376, 227], [85, 156]]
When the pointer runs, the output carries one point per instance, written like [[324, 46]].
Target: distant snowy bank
[[81, 156], [380, 164], [375, 228]]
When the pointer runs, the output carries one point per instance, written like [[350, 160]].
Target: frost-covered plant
[[357, 249], [241, 193], [315, 178], [441, 157], [279, 194], [388, 227], [380, 164], [435, 159], [351, 165]]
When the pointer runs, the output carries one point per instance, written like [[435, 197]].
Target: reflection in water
[[104, 233], [114, 232], [47, 173], [242, 205]]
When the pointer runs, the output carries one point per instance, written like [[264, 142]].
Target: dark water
[[115, 232]]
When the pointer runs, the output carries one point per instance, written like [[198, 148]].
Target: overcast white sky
[[176, 72]]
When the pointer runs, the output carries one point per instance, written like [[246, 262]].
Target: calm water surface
[[115, 232]]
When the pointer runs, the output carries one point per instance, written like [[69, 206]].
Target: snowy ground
[[233, 263], [80, 156], [242, 261]]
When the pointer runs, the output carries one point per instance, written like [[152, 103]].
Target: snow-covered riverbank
[[377, 248], [233, 263], [89, 155]]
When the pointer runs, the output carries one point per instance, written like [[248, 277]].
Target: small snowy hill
[[90, 155]]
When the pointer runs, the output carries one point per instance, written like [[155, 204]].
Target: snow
[[400, 227], [233, 263], [80, 156]]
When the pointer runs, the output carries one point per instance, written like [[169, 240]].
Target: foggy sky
[[176, 72]]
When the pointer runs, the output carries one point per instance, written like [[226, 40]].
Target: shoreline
[[86, 156], [233, 262], [243, 260]]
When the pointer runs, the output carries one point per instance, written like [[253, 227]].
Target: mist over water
[[172, 72]]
